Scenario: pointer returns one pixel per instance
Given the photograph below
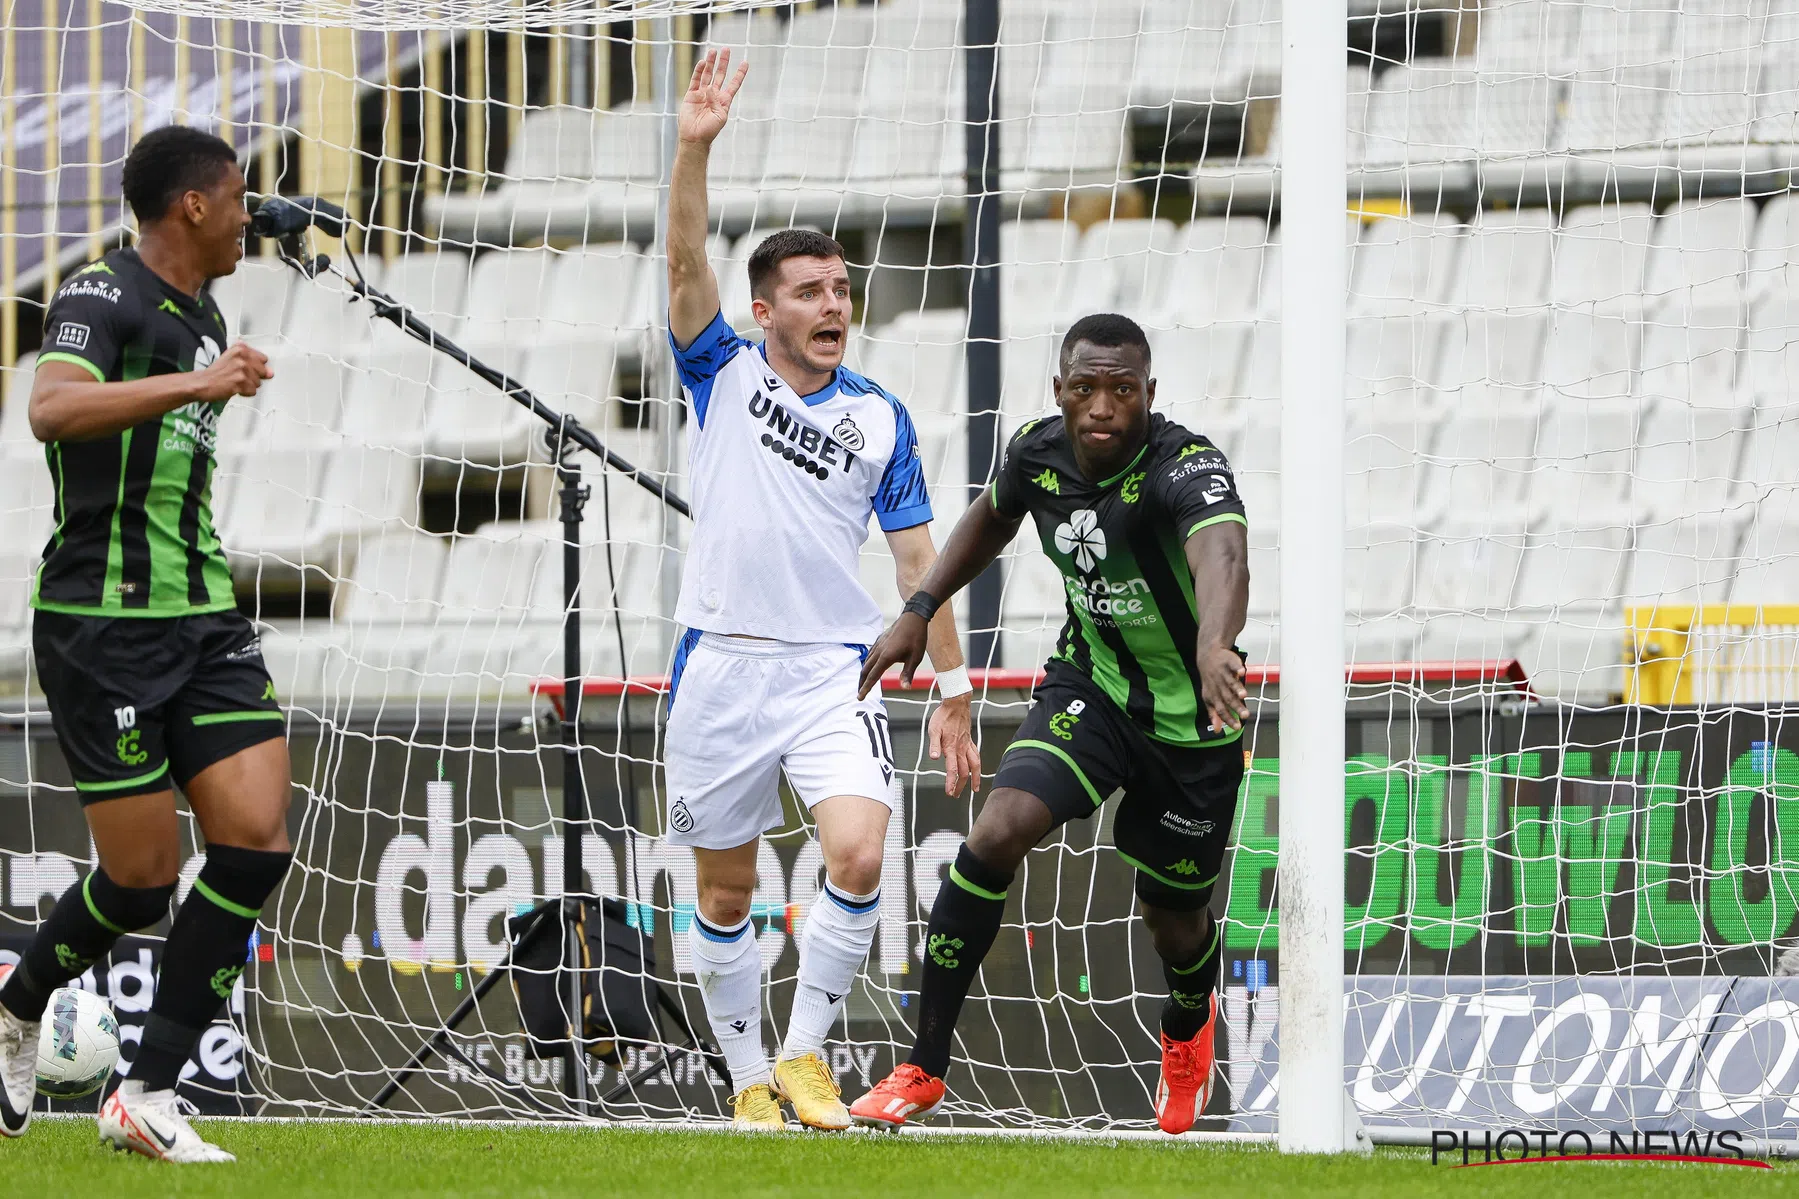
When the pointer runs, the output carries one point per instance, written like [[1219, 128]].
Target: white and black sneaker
[[154, 1123], [18, 1072]]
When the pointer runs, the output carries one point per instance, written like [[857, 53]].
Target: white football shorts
[[742, 711]]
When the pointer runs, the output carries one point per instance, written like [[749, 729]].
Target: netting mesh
[[1568, 444]]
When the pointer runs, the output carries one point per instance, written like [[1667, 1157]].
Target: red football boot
[[1186, 1077]]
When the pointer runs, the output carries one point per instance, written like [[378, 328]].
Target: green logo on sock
[[943, 950], [222, 980], [68, 959], [129, 753], [1191, 1002]]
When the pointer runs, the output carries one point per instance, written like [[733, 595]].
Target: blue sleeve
[[902, 500], [699, 363]]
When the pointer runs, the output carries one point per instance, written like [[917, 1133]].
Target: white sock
[[729, 964], [839, 930]]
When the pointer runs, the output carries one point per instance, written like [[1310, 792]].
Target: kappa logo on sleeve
[[72, 336]]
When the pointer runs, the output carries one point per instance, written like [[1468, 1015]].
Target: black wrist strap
[[924, 604]]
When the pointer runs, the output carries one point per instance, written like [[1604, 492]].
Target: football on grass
[[79, 1044]]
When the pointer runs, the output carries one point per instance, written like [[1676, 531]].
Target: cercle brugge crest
[[1082, 538], [848, 435]]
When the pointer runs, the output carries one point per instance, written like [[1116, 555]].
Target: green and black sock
[[83, 925], [207, 948], [964, 921], [1190, 987]]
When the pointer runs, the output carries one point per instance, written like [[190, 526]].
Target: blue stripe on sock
[[725, 935], [848, 904]]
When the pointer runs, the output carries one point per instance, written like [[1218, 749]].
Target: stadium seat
[[1583, 466], [1379, 562], [18, 567], [1692, 560], [1182, 55], [301, 407], [1694, 309], [1033, 258], [1215, 273], [1596, 287], [1511, 125], [1769, 372], [1383, 463], [1196, 370], [919, 358], [365, 489], [1618, 91], [1573, 568], [388, 394], [1527, 35], [1470, 561], [254, 299], [265, 518], [27, 502], [1777, 86], [1119, 265], [1401, 266], [1388, 360], [16, 438], [1415, 133], [1770, 461], [1482, 462], [1468, 638], [325, 312], [1027, 364], [1769, 573], [1687, 460], [433, 283]]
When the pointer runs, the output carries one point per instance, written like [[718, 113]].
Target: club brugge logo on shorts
[[679, 818], [849, 435]]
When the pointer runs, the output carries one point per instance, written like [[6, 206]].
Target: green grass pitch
[[63, 1158]]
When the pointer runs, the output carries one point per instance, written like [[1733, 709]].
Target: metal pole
[[574, 790], [980, 241], [1314, 277]]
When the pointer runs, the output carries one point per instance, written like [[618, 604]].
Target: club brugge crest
[[848, 435]]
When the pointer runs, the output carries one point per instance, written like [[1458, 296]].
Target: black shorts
[[1076, 747], [140, 703]]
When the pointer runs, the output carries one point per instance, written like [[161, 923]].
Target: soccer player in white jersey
[[789, 455]]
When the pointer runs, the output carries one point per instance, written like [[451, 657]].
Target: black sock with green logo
[[1190, 987], [83, 925], [964, 921], [207, 948]]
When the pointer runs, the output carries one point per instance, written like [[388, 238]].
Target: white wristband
[[953, 683]]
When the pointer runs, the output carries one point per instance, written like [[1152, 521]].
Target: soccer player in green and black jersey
[[153, 679], [1145, 692]]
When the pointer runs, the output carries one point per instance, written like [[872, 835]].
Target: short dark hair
[[1104, 329], [777, 248], [167, 163]]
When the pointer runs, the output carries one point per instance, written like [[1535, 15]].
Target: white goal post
[[1490, 303]]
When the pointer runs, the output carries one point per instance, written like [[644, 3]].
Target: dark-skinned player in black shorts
[[154, 680], [1145, 692]]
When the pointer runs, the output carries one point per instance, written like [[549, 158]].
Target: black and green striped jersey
[[1120, 544], [134, 533]]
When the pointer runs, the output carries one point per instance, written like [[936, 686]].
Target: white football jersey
[[782, 486]]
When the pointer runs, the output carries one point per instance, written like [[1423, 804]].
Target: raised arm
[[1218, 557], [68, 404], [977, 540], [692, 287]]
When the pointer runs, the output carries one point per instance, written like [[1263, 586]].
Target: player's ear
[[762, 311], [1149, 394]]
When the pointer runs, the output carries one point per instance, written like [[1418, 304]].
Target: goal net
[[1569, 802]]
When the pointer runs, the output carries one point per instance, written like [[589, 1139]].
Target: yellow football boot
[[807, 1084], [755, 1109]]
